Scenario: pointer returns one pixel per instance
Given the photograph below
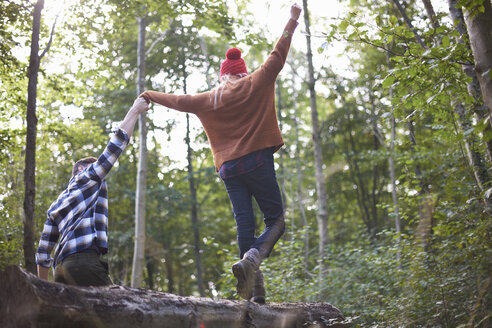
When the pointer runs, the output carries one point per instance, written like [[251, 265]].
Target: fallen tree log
[[27, 301]]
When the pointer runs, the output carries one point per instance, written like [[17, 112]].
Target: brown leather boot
[[245, 271], [258, 289]]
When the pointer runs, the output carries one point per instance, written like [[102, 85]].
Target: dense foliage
[[434, 269]]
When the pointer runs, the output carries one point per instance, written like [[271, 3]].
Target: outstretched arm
[[195, 104]]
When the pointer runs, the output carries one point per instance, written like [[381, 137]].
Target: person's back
[[240, 120]]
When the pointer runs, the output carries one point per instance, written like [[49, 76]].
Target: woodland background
[[385, 173]]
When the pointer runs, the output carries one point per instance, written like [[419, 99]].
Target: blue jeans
[[262, 185]]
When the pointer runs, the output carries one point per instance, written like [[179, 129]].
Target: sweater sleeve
[[184, 103], [276, 60]]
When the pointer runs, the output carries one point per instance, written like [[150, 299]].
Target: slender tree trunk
[[376, 168], [281, 151], [194, 211], [430, 12], [391, 161], [194, 202], [150, 271], [300, 197], [31, 130], [322, 214], [169, 269], [139, 248], [357, 180], [409, 23], [426, 207], [479, 25]]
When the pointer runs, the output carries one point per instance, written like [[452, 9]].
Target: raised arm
[[276, 60], [99, 169], [139, 106]]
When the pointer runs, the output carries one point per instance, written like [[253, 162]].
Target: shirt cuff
[[290, 28], [121, 134]]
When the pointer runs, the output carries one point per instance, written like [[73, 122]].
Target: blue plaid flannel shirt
[[80, 214]]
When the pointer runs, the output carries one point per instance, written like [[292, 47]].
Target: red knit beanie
[[233, 64]]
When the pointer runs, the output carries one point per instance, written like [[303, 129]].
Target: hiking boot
[[258, 289], [245, 271]]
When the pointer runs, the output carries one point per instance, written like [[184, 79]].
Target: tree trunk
[[194, 201], [322, 214], [27, 301], [479, 25], [473, 86], [139, 248], [194, 211], [391, 162], [357, 180], [31, 130], [431, 13], [300, 197], [168, 256], [281, 170]]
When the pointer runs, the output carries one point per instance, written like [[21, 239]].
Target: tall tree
[[139, 247], [322, 213], [473, 85], [299, 175], [191, 180], [478, 17], [31, 130]]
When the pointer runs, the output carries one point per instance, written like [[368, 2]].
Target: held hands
[[295, 11], [140, 105]]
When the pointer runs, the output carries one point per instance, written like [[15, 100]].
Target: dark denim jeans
[[262, 185]]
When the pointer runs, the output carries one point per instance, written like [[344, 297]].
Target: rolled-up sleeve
[[47, 242], [99, 169]]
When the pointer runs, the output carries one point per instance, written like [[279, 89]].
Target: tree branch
[[51, 38]]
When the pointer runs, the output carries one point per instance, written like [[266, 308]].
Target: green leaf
[[445, 41], [388, 81], [393, 20]]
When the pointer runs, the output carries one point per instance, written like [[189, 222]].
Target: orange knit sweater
[[241, 117]]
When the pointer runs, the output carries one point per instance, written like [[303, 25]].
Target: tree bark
[[473, 86], [194, 201], [479, 25], [31, 130], [27, 301], [431, 13], [139, 248], [194, 211], [281, 170], [391, 162], [322, 214], [300, 197]]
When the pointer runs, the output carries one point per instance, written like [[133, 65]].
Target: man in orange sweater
[[240, 120]]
